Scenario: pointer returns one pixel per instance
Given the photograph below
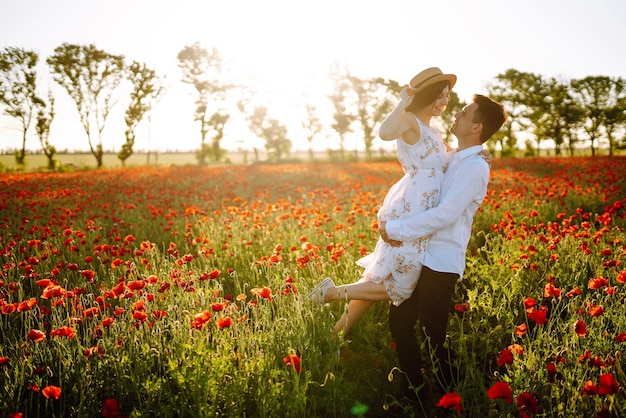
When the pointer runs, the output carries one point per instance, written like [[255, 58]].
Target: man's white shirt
[[450, 223]]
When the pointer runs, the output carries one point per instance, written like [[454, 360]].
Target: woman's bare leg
[[361, 295], [364, 290], [356, 309]]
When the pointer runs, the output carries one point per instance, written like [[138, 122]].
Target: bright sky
[[284, 49]]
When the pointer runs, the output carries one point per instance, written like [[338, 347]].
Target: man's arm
[[468, 185]]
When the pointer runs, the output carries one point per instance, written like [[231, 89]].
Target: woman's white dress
[[418, 190]]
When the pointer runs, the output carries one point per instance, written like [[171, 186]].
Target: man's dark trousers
[[430, 306]]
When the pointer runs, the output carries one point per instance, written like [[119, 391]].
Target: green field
[[177, 291]]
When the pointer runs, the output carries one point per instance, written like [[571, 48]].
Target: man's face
[[464, 124]]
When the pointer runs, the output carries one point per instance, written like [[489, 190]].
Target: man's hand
[[385, 237], [486, 156]]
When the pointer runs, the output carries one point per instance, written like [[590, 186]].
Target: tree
[[146, 90], [595, 94], [550, 112], [339, 98], [263, 127], [615, 113], [621, 144], [203, 70], [90, 76], [311, 125], [573, 116], [255, 116], [372, 100], [276, 141], [509, 89], [45, 116], [18, 82]]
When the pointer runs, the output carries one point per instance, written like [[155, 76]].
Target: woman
[[392, 270]]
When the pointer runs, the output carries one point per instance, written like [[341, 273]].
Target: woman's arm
[[397, 122]]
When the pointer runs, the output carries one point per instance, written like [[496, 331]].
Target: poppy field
[[179, 292]]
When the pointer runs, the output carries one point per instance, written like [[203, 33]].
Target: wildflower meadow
[[179, 292]]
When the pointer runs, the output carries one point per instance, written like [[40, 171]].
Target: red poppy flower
[[551, 291], [553, 373], [608, 384], [293, 360], [462, 307], [91, 312], [574, 292], [596, 310], [521, 329], [451, 400], [52, 291], [9, 308], [118, 289], [598, 283], [504, 357], [528, 403], [4, 361], [517, 349], [589, 388], [88, 274], [53, 392], [26, 305], [217, 307], [580, 328], [158, 314], [500, 390], [137, 284], [90, 352], [596, 361], [200, 319], [63, 332], [36, 335], [224, 322], [44, 283], [264, 292], [140, 316], [529, 303], [111, 409], [586, 356], [540, 316], [621, 277]]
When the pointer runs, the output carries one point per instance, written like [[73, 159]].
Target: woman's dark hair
[[491, 114], [427, 96]]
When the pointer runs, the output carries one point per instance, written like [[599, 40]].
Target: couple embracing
[[424, 223]]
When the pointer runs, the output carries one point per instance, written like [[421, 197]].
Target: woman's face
[[441, 102]]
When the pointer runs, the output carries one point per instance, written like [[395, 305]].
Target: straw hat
[[430, 76]]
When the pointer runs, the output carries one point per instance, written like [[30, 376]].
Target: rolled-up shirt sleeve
[[466, 187]]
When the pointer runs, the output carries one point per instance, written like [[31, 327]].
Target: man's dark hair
[[491, 114]]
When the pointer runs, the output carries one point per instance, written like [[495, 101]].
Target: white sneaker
[[318, 292]]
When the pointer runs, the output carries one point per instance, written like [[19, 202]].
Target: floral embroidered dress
[[424, 164]]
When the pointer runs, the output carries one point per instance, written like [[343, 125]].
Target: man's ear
[[477, 127]]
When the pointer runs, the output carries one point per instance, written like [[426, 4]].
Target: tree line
[[572, 114]]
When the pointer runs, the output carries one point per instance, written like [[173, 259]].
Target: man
[[449, 224]]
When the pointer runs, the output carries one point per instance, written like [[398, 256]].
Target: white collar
[[474, 149]]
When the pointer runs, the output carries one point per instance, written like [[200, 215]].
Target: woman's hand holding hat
[[406, 96]]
